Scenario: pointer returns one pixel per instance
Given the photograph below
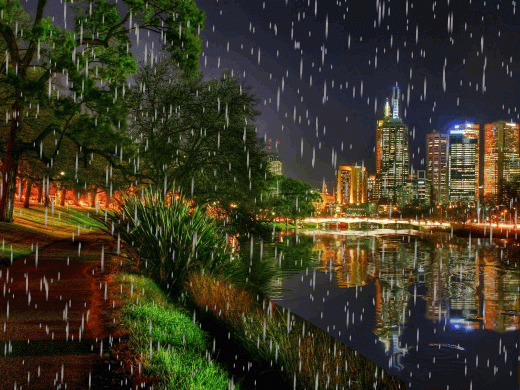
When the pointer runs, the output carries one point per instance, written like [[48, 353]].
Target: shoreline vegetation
[[232, 324]]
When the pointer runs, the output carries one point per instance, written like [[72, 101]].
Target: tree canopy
[[196, 137], [78, 73], [292, 198]]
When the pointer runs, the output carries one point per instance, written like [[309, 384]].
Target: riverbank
[[109, 335], [487, 231]]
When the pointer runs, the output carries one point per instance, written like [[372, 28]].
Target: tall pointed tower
[[392, 153]]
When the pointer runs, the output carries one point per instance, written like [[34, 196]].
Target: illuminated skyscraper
[[351, 185], [437, 165], [396, 94], [501, 156], [273, 158], [392, 153], [371, 186], [463, 163]]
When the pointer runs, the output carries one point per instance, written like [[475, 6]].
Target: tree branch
[[33, 44], [10, 39]]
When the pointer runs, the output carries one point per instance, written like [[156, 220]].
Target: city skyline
[[440, 72]]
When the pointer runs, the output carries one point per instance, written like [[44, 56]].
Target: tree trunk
[[93, 194], [63, 196], [28, 188], [9, 171], [40, 193], [46, 197]]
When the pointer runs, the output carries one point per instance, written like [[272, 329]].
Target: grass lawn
[[173, 346], [40, 225]]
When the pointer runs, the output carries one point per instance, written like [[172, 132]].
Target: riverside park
[[182, 208]]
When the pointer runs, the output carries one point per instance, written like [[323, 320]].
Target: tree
[[293, 198], [80, 75], [196, 137]]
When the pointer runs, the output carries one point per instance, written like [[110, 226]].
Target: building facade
[[371, 186], [392, 152], [351, 185], [463, 163], [501, 156], [273, 158], [416, 190], [437, 165]]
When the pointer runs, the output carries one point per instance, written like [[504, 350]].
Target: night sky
[[482, 40]]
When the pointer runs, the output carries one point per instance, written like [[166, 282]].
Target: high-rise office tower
[[371, 186], [463, 163], [392, 152], [351, 184], [273, 158], [437, 165], [501, 156]]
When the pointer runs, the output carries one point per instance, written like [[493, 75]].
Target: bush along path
[[57, 323]]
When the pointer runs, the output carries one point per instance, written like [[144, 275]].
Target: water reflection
[[432, 303]]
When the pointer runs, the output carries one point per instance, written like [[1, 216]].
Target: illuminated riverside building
[[463, 163], [351, 185], [501, 156], [392, 152], [437, 165], [417, 188], [371, 187], [273, 158]]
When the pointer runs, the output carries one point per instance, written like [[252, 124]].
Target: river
[[433, 309]]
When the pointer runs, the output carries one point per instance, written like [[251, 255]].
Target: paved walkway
[[53, 315]]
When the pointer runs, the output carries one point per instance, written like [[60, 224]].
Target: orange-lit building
[[326, 199], [351, 185], [501, 155]]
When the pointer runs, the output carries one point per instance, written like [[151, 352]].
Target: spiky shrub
[[169, 239]]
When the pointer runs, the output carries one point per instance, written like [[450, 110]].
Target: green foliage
[[292, 198], [76, 75], [172, 238], [178, 353], [196, 136]]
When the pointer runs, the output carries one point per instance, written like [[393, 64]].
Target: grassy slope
[[42, 226], [175, 348]]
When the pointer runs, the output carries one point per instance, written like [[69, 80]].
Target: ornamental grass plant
[[168, 238]]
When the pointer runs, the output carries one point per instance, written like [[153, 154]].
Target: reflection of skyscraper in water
[[461, 282], [347, 258], [437, 295], [392, 258], [491, 289]]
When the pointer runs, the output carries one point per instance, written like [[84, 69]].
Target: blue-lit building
[[463, 163]]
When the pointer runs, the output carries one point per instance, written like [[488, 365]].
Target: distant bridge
[[374, 223]]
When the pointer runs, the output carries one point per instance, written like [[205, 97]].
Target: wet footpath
[[55, 314]]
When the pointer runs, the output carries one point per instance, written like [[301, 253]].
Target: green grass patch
[[62, 218], [174, 348], [15, 251], [38, 225]]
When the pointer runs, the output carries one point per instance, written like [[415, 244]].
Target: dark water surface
[[437, 311]]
